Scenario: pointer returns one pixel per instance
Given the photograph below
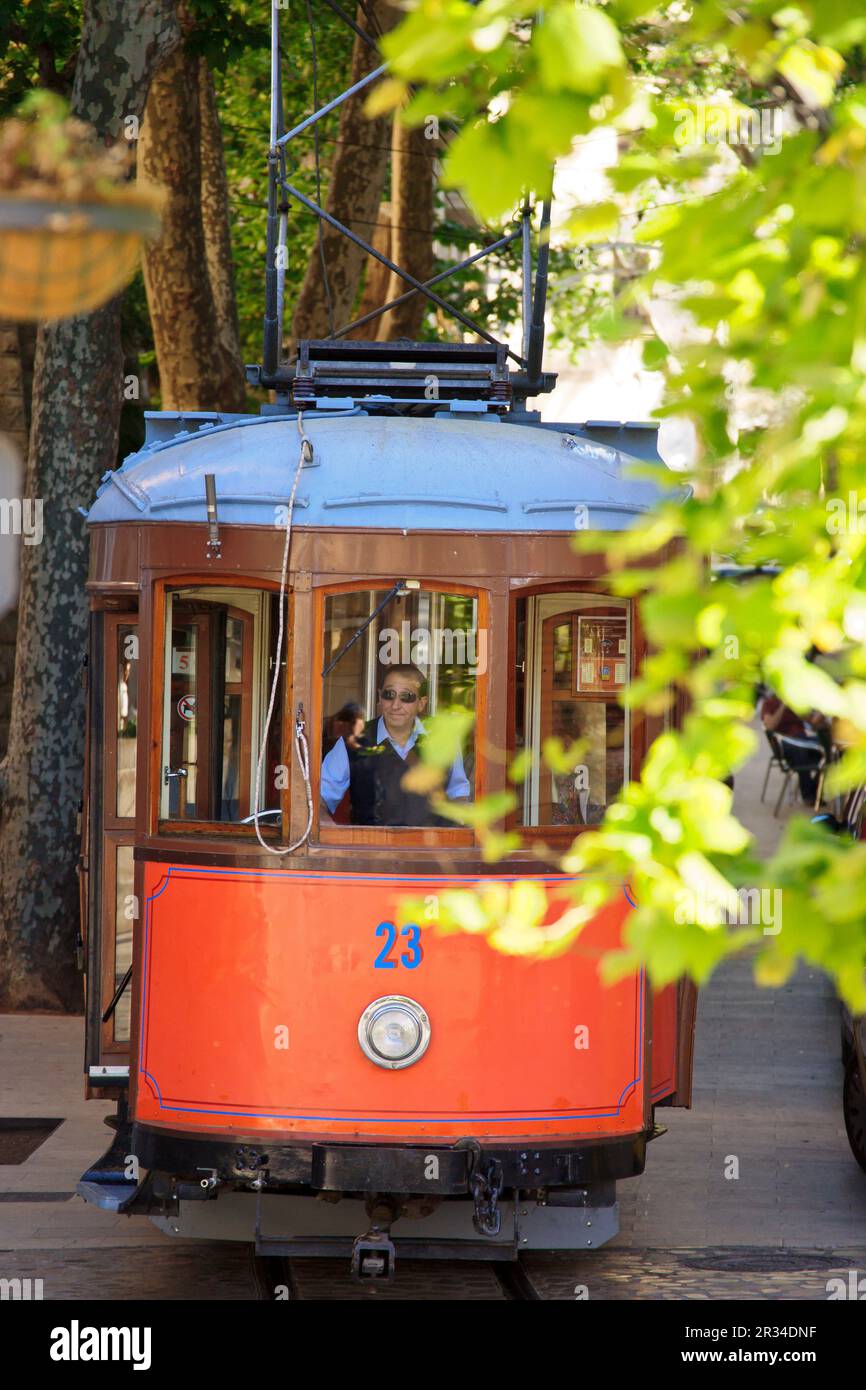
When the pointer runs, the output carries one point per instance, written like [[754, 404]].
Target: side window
[[391, 658], [573, 664], [220, 646], [126, 656]]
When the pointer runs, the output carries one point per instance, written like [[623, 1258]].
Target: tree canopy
[[754, 230]]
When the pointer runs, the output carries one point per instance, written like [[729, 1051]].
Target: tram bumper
[[331, 1166], [299, 1226], [473, 1199]]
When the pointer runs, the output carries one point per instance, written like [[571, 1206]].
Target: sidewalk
[[41, 1075], [768, 1092]]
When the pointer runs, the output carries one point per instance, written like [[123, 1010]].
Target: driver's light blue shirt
[[335, 767]]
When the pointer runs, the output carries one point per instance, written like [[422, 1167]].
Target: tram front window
[[390, 659], [219, 653], [572, 665]]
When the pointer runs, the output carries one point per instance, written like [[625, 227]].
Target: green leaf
[[577, 48], [445, 736], [595, 222], [813, 70]]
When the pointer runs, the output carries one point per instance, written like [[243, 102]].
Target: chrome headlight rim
[[379, 1006]]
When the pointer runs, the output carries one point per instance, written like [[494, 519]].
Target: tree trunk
[[376, 277], [354, 193], [17, 347], [192, 314], [412, 156], [215, 221], [77, 394]]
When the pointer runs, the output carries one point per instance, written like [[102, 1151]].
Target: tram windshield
[[573, 664], [390, 658], [219, 651]]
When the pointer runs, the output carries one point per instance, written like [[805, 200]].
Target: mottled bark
[[17, 347], [376, 276], [354, 193], [77, 394], [192, 314], [412, 156], [215, 219]]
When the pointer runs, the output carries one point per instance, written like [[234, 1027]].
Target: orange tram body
[[273, 1031]]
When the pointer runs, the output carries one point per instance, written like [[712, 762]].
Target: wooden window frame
[[199, 829], [384, 836]]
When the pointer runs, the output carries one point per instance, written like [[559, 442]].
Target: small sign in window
[[183, 661], [601, 639]]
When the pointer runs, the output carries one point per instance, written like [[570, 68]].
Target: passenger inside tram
[[372, 765], [347, 723]]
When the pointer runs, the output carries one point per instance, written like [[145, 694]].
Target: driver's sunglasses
[[406, 697]]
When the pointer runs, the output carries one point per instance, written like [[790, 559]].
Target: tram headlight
[[394, 1031]]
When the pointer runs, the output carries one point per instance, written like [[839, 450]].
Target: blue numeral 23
[[410, 958]]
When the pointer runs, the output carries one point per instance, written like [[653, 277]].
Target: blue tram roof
[[458, 470]]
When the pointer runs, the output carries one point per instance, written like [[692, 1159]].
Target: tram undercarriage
[[372, 1204]]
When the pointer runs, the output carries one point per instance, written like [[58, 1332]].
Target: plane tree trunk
[[188, 272], [355, 190], [77, 397], [412, 156]]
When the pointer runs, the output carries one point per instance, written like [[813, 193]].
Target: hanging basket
[[58, 259]]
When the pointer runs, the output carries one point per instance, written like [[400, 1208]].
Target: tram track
[[278, 1278]]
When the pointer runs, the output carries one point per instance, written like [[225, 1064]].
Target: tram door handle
[[169, 772]]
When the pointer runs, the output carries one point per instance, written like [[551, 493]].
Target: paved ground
[[767, 1094]]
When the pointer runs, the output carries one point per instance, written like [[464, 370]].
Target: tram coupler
[[373, 1254]]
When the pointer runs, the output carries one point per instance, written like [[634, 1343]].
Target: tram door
[[108, 837], [575, 658], [210, 712], [584, 666]]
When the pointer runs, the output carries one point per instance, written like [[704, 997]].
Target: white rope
[[301, 746]]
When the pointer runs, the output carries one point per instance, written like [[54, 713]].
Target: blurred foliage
[[38, 47], [762, 246]]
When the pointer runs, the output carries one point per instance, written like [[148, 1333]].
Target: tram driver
[[373, 770]]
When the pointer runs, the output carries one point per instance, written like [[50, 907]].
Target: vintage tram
[[293, 1067]]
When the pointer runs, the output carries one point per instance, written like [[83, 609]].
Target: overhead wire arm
[[536, 327], [403, 274], [356, 28], [443, 275], [332, 105]]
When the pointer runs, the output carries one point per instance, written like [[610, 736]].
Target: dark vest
[[375, 773]]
